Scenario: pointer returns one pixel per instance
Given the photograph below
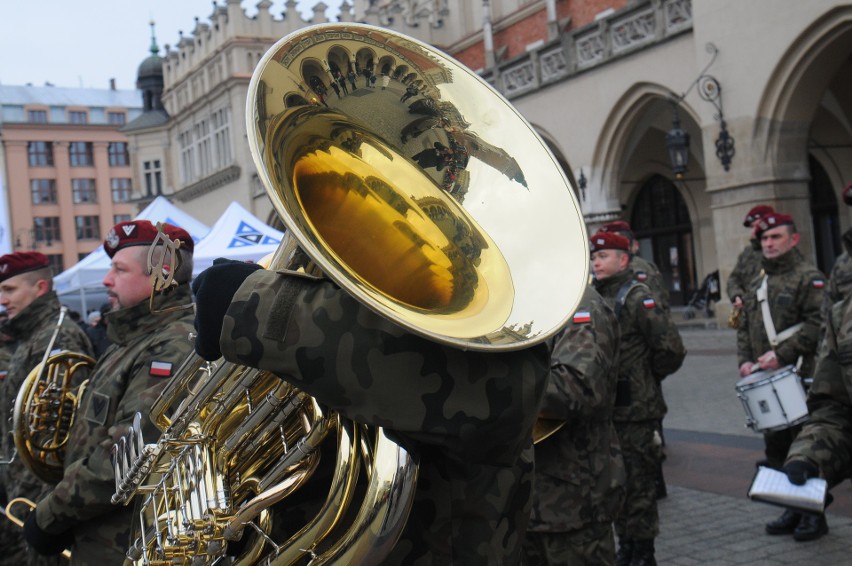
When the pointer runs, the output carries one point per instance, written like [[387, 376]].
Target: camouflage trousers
[[777, 444], [593, 545], [638, 519]]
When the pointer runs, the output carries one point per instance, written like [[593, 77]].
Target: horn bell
[[443, 210]]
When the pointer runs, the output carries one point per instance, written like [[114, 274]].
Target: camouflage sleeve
[[745, 352], [826, 439], [324, 341], [805, 341], [736, 286], [661, 335], [582, 381], [119, 388]]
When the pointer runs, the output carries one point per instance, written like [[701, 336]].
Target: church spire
[[155, 50]]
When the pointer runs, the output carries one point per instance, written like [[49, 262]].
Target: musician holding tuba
[[467, 414], [149, 339], [36, 326]]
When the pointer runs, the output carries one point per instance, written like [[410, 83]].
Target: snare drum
[[773, 400]]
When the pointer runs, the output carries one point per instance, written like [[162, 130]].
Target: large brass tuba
[[46, 406], [443, 211]]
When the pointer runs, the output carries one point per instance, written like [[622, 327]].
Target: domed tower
[[149, 78]]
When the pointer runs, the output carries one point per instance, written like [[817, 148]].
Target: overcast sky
[[85, 43]]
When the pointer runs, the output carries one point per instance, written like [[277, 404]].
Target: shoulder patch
[[649, 303], [160, 369], [818, 283], [641, 276], [98, 408], [3, 375], [581, 317]]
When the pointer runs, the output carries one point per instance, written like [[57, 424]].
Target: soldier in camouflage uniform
[[146, 348], [795, 294], [468, 415], [643, 270], [840, 278], [823, 448], [26, 292], [749, 260], [651, 349], [579, 479]]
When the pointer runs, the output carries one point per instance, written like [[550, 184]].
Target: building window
[[46, 229], [153, 178], [83, 191], [43, 191], [117, 118], [78, 117], [118, 154], [81, 154], [187, 156], [88, 227], [222, 137], [120, 218], [120, 189], [37, 116], [55, 263], [40, 154]]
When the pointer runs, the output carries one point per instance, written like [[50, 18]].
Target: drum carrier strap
[[775, 338], [621, 296]]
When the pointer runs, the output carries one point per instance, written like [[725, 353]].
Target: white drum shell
[[773, 400]]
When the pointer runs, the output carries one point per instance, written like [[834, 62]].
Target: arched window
[[824, 217]]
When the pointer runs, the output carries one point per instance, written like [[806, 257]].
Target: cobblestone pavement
[[707, 518]]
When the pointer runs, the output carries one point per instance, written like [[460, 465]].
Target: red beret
[[142, 233], [757, 213], [608, 241], [616, 226], [21, 262], [847, 194], [772, 220]]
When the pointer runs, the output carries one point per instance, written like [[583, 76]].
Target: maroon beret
[[847, 194], [772, 220], [142, 233], [616, 226], [21, 262], [756, 213], [608, 241]]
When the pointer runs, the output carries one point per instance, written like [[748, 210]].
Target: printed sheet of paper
[[772, 486]]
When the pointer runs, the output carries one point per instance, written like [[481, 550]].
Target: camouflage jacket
[[826, 439], [646, 272], [124, 382], [651, 349], [795, 292], [747, 267], [579, 473], [468, 415], [840, 279], [32, 330]]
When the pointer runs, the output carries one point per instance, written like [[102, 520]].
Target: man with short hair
[[749, 261], [149, 341], [643, 270], [651, 349], [26, 292], [780, 326]]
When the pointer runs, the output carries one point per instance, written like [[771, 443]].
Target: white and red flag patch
[[818, 283], [649, 303], [642, 276], [582, 316], [161, 369]]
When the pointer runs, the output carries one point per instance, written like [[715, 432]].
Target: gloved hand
[[214, 288], [799, 471], [47, 544]]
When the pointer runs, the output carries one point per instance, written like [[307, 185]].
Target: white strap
[[775, 338]]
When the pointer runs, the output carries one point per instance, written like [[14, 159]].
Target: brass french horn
[[444, 212]]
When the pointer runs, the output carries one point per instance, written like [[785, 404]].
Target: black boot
[[811, 527], [785, 524], [643, 553], [625, 553]]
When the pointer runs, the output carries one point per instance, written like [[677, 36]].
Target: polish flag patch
[[161, 369], [582, 316], [818, 283], [3, 375], [642, 276], [649, 303]]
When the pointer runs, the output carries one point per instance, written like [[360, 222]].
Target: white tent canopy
[[239, 235], [86, 276]]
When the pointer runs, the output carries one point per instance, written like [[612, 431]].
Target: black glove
[[214, 288], [47, 544], [798, 471]]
